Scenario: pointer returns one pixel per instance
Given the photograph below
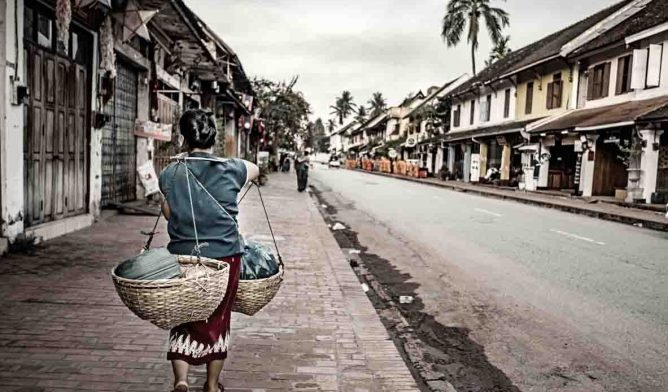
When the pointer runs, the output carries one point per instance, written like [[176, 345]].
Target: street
[[558, 301]]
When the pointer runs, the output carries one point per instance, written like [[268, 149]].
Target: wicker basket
[[170, 302], [253, 295]]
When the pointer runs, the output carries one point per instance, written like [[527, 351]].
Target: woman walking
[[204, 342], [301, 167]]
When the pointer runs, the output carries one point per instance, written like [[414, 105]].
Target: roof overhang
[[647, 33], [603, 26], [495, 130], [610, 116]]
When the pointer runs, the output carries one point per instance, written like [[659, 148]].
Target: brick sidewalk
[[632, 216], [63, 328]]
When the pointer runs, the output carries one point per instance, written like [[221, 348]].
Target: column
[[451, 158], [649, 162], [505, 164], [467, 163], [587, 174], [544, 169], [483, 159]]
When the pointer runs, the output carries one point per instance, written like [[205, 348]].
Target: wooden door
[[55, 138], [609, 171]]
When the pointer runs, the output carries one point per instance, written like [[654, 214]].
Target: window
[[484, 108], [457, 115], [624, 67], [472, 112], [488, 108], [554, 90], [506, 103], [529, 103], [598, 81], [44, 31]]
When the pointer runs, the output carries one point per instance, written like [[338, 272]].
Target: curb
[[609, 216]]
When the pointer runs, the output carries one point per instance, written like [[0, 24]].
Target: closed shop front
[[57, 120], [119, 163], [662, 173]]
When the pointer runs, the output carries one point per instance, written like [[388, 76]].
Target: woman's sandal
[[221, 388], [181, 386]]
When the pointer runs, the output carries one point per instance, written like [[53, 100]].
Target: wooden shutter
[[529, 102], [559, 88], [550, 94], [639, 69], [506, 104], [620, 76], [590, 83], [654, 65], [606, 80]]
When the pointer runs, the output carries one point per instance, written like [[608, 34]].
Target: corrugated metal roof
[[648, 109]]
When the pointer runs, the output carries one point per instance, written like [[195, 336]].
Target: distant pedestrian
[[301, 166], [204, 342], [286, 165]]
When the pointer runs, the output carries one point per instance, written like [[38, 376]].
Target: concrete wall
[[539, 103], [612, 56], [11, 123], [496, 109]]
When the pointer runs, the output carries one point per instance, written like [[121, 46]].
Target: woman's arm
[[252, 171], [165, 208]]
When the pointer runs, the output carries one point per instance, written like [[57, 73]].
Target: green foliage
[[361, 114], [461, 13], [344, 106], [500, 50], [284, 110], [377, 103]]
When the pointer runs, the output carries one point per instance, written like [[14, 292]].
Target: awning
[[619, 115], [503, 129]]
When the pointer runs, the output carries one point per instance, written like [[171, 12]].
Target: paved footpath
[[63, 328]]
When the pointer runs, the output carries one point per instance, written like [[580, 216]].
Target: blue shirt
[[223, 180]]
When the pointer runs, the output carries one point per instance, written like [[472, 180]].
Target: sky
[[391, 46]]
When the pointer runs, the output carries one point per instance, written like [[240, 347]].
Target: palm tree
[[377, 103], [461, 12], [500, 50], [331, 125], [361, 114], [344, 106]]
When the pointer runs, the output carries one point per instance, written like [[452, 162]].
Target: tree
[[361, 114], [460, 13], [331, 125], [377, 103], [321, 140], [284, 110], [344, 106], [500, 50]]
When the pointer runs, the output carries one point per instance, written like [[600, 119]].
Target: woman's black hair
[[198, 128]]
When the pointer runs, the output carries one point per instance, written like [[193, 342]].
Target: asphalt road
[[561, 302]]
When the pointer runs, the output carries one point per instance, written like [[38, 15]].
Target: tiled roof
[[539, 50], [654, 13]]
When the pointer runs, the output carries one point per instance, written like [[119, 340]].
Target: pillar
[[544, 169], [451, 158], [483, 159], [467, 163], [649, 162], [505, 164], [587, 173]]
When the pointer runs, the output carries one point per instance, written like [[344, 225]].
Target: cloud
[[392, 46]]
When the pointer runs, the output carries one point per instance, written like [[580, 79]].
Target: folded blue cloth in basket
[[153, 264]]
